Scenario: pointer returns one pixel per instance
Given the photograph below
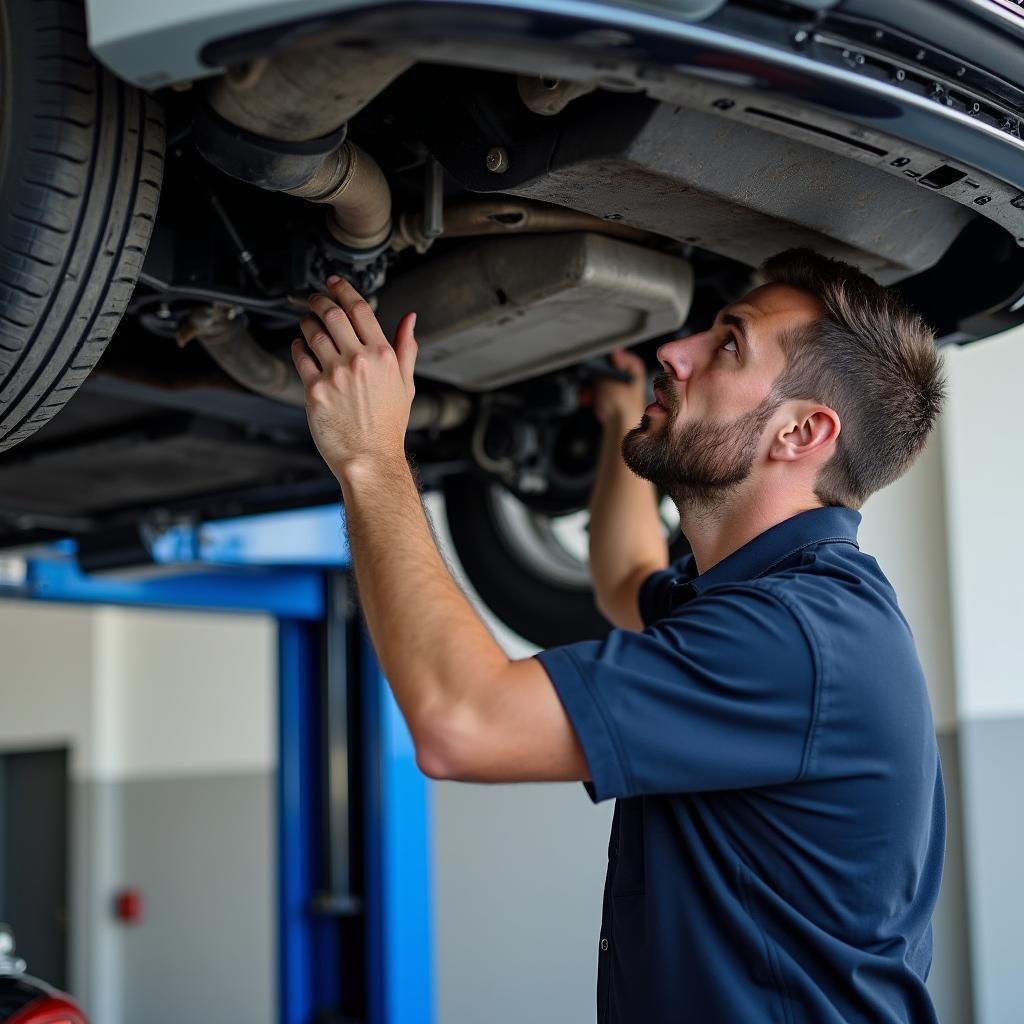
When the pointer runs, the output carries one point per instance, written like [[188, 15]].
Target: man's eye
[[730, 345]]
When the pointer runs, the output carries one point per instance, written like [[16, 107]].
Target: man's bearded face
[[699, 462]]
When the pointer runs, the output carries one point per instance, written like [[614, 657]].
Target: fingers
[[304, 362], [624, 360], [337, 324], [357, 311], [406, 347], [320, 343], [344, 324]]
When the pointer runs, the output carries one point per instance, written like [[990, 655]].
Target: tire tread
[[73, 240]]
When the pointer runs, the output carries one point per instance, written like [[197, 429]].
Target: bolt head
[[497, 160]]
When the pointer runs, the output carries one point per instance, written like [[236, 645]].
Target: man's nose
[[680, 356]]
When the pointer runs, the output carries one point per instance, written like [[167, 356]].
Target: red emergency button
[[128, 906]]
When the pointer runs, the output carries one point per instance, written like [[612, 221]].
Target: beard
[[703, 463]]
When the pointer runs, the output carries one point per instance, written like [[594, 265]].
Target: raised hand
[[359, 388]]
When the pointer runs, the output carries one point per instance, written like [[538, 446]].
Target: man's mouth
[[659, 402]]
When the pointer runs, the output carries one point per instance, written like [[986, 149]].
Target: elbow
[[432, 762], [621, 605], [441, 749], [603, 609], [601, 598], [613, 614]]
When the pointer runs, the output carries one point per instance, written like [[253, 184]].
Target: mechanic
[[760, 714]]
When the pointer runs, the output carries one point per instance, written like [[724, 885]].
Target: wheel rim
[[554, 547]]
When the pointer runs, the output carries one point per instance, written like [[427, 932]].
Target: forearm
[[625, 528], [473, 712], [431, 644]]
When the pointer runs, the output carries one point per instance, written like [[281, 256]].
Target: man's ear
[[809, 430]]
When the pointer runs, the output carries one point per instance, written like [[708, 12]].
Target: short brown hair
[[871, 359]]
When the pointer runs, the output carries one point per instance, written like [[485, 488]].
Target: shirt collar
[[828, 525]]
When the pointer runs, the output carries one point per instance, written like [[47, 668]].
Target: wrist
[[623, 419], [615, 429], [361, 471]]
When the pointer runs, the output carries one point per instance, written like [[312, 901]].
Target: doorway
[[34, 858]]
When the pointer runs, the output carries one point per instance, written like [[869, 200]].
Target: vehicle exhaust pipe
[[507, 215], [224, 333], [280, 123], [351, 182]]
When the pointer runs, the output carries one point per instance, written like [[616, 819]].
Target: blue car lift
[[353, 900]]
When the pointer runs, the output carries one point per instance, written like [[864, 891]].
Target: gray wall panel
[[991, 755], [950, 978], [95, 875], [201, 850], [518, 877]]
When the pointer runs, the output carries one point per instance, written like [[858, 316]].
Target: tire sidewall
[[536, 608]]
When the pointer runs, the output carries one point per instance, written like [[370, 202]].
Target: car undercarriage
[[540, 185]]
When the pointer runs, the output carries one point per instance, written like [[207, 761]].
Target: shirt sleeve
[[720, 695]]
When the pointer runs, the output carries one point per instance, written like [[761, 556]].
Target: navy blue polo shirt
[[777, 842]]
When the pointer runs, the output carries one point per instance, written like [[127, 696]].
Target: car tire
[[511, 555], [81, 161]]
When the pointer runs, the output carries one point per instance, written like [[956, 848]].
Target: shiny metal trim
[[1008, 13]]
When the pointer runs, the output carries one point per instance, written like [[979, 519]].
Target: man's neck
[[716, 531]]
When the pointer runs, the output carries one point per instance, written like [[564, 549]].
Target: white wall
[[137, 692], [904, 527], [49, 681], [984, 495], [189, 693], [152, 704], [51, 695]]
